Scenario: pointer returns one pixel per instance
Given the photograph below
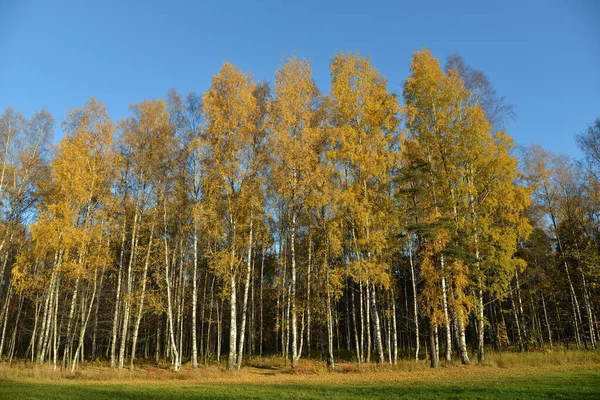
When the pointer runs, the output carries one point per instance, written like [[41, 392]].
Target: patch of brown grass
[[276, 370]]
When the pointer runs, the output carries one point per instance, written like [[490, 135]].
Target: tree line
[[275, 219]]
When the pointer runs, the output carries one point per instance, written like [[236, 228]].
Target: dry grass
[[276, 370]]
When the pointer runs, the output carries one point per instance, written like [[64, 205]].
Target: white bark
[[195, 300], [232, 358], [445, 305], [295, 355], [245, 304], [415, 305], [176, 360], [115, 325], [378, 341]]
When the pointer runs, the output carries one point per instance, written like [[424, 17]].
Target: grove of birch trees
[[359, 225]]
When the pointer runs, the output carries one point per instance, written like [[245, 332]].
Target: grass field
[[524, 376]]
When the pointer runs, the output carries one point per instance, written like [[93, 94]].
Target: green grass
[[565, 384]]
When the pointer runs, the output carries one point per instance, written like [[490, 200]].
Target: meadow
[[559, 375]]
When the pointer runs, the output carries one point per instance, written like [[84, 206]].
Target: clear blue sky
[[544, 56]]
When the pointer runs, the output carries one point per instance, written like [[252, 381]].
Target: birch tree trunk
[[547, 323], [378, 341], [176, 360], [55, 334], [480, 321], [516, 318], [95, 332], [13, 341], [415, 305], [195, 300], [368, 319], [245, 304], [464, 354], [308, 304], [394, 329], [262, 272], [330, 359], [66, 356], [588, 309], [5, 315], [295, 354], [232, 358], [117, 312], [445, 305], [355, 327]]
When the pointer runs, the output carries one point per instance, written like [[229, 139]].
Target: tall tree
[[230, 111], [364, 119], [297, 136]]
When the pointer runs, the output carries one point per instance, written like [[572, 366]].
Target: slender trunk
[[378, 341], [35, 330], [45, 320], [308, 305], [219, 332], [202, 318], [355, 326], [330, 359], [49, 312], [262, 271], [95, 329], [415, 305], [245, 303], [115, 326], [446, 316], [588, 309], [67, 348], [362, 323], [55, 341], [516, 317], [521, 313], [181, 299], [368, 319], [195, 301], [13, 341], [480, 321], [288, 313], [231, 360], [206, 352], [252, 323], [394, 328], [547, 323], [176, 361], [388, 335], [5, 315], [295, 354]]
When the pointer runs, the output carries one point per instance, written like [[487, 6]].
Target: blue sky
[[544, 56]]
